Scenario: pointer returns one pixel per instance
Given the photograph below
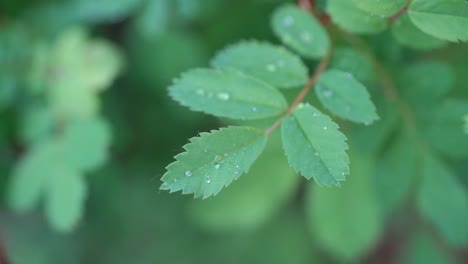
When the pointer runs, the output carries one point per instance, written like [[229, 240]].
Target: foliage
[[90, 116]]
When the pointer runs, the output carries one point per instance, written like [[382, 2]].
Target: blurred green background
[[125, 53]]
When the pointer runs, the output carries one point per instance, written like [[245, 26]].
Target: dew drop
[[200, 92], [317, 153], [315, 114], [208, 179], [164, 186], [348, 75], [188, 173], [327, 93], [254, 109], [325, 128], [217, 166], [225, 155], [223, 96], [176, 180], [237, 166], [271, 68], [288, 21], [280, 63], [305, 36]]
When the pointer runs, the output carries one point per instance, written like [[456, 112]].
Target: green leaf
[[272, 64], [443, 201], [346, 221], [346, 97], [301, 31], [355, 62], [444, 128], [406, 33], [418, 89], [423, 249], [253, 199], [86, 142], [384, 8], [213, 160], [30, 177], [466, 124], [314, 146], [154, 19], [64, 198], [444, 19], [349, 17], [395, 173], [227, 93]]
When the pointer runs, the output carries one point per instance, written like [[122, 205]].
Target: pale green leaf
[[301, 31], [418, 89], [444, 19], [444, 128], [64, 198], [443, 201], [314, 146], [37, 124], [30, 177], [355, 62], [384, 8], [85, 143], [406, 33], [253, 199], [213, 160], [349, 17], [346, 97], [272, 64], [395, 173], [346, 221], [227, 93]]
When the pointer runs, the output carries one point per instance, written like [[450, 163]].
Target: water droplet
[[205, 150], [271, 67], [223, 96], [217, 166], [327, 93], [348, 75], [280, 63], [237, 166], [236, 173], [288, 21], [325, 128], [254, 109], [305, 36], [208, 179], [164, 186], [225, 155], [200, 92], [307, 104], [315, 114], [176, 180], [317, 154], [188, 173]]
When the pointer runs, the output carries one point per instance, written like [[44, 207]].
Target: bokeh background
[[125, 53]]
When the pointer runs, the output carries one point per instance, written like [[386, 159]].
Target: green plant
[[367, 97]]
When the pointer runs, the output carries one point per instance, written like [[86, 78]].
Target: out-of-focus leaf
[[384, 8], [65, 194], [351, 60], [443, 201], [253, 199], [227, 93], [444, 128], [346, 221], [37, 124], [154, 17], [394, 174], [301, 31], [272, 64], [346, 97], [314, 146], [85, 143], [424, 250], [213, 160], [406, 33], [444, 19], [349, 17]]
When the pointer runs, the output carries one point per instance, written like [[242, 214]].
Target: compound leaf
[[314, 146], [346, 97], [227, 93], [301, 31], [272, 64], [349, 17], [355, 62], [213, 160], [444, 19], [443, 201]]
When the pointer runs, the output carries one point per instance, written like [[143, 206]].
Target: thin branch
[[300, 97]]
